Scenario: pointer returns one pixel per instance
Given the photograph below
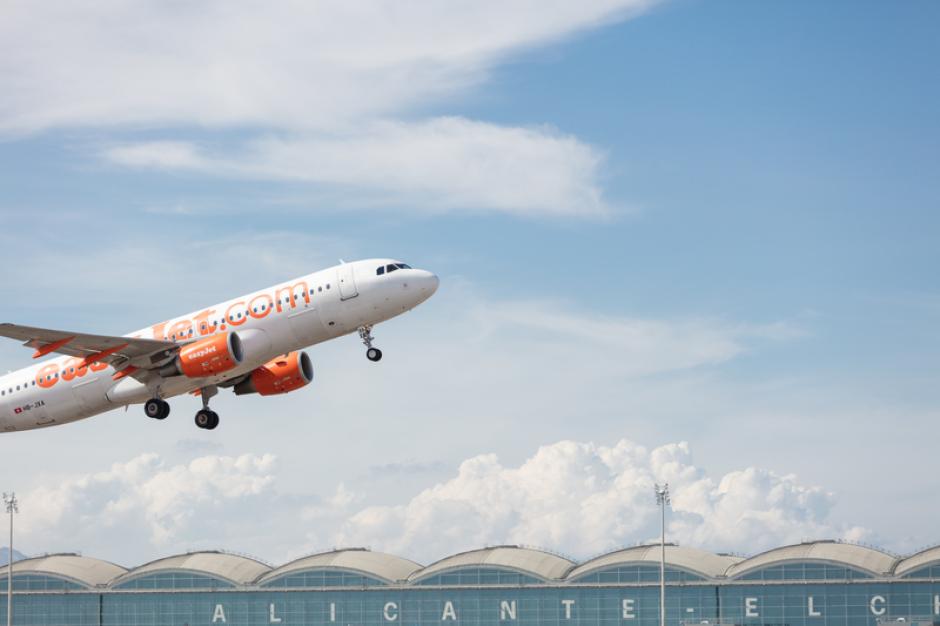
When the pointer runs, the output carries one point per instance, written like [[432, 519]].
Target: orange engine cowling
[[281, 375], [207, 357]]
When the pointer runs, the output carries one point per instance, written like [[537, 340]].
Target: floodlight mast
[[9, 499], [662, 499]]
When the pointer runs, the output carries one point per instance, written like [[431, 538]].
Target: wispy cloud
[[335, 83], [439, 165], [238, 63]]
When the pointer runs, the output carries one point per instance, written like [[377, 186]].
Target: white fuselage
[[283, 318]]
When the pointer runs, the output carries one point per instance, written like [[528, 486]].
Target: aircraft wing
[[116, 351]]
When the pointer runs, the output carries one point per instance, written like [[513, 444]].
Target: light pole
[[9, 499], [662, 499]]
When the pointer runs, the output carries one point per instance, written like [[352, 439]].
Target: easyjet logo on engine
[[198, 354]]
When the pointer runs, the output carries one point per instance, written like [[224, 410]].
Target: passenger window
[[328, 285], [380, 271]]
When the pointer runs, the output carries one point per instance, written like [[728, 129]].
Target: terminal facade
[[821, 583]]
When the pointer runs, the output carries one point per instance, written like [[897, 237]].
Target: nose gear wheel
[[373, 354]]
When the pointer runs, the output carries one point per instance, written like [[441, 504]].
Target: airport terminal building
[[821, 583]]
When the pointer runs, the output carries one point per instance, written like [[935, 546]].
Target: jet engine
[[207, 357], [281, 375]]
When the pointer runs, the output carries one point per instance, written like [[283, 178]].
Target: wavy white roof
[[859, 557], [79, 569], [697, 561], [917, 561], [238, 570], [379, 565], [536, 563]]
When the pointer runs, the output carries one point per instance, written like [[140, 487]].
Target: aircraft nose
[[429, 282]]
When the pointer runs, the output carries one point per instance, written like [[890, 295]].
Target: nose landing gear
[[206, 418], [373, 354]]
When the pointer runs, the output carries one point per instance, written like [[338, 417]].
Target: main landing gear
[[206, 418], [373, 354], [157, 408]]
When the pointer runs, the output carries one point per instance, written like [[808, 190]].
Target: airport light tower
[[662, 499], [9, 499]]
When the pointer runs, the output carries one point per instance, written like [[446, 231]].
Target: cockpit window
[[391, 267]]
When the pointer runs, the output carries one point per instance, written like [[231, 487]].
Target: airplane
[[251, 344]]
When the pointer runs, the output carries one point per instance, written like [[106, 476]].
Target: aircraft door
[[347, 282]]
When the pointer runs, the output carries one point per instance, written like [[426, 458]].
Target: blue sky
[[702, 222]]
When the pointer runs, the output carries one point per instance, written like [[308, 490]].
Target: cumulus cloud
[[146, 502], [580, 498], [583, 498], [236, 62], [437, 165]]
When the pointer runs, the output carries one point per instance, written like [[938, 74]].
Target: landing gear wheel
[[157, 409], [207, 419], [373, 354]]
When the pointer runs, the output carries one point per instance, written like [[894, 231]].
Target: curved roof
[[917, 561], [360, 560], [79, 569], [706, 564], [536, 563], [236, 569], [850, 555]]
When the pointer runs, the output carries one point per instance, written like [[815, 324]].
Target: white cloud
[[583, 498], [437, 165], [158, 154], [146, 502], [577, 497], [541, 343], [285, 65], [335, 82]]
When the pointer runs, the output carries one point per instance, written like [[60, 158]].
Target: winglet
[[51, 347]]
